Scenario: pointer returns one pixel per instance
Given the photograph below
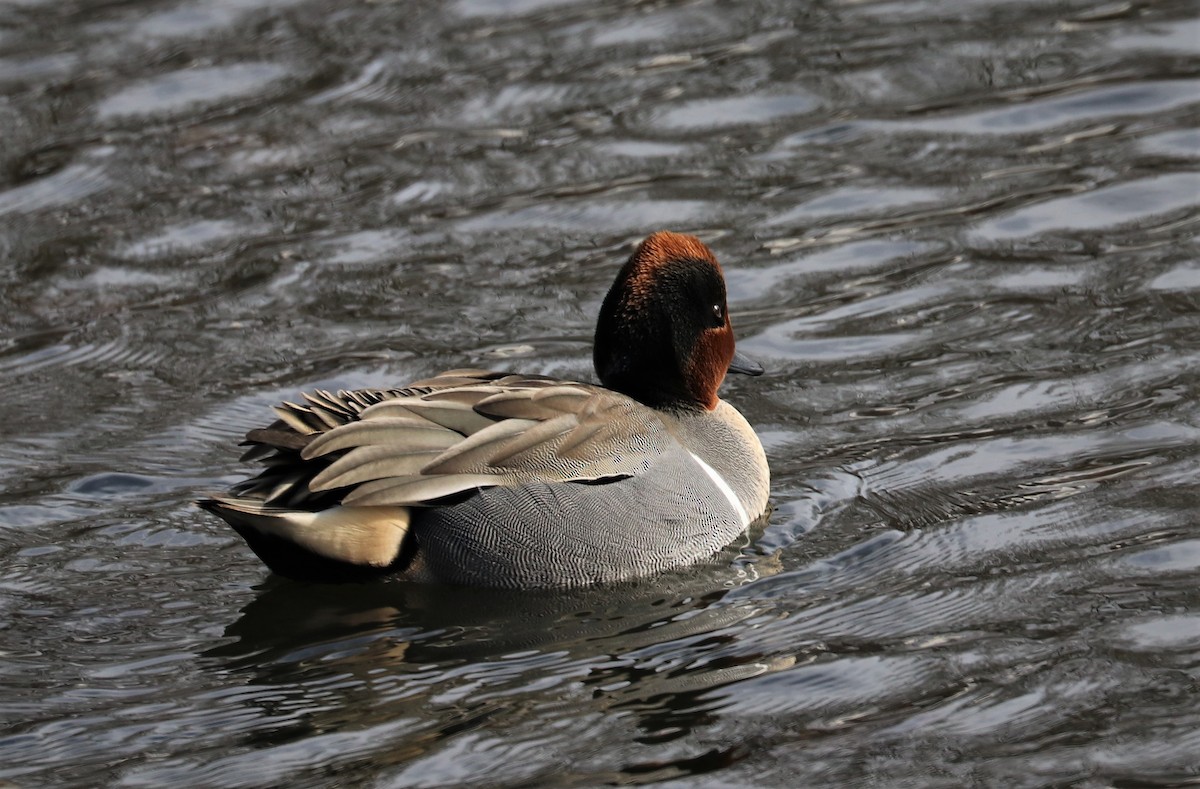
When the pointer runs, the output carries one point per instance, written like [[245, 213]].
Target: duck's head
[[664, 336]]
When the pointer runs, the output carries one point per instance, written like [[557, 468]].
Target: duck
[[491, 479]]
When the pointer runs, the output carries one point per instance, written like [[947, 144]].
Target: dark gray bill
[[744, 365]]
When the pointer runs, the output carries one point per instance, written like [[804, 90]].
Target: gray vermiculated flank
[[568, 534]]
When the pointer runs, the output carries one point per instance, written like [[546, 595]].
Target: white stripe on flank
[[723, 486]]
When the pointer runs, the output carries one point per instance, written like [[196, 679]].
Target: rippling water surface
[[961, 236]]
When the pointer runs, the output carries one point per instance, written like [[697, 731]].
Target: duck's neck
[[655, 390], [637, 358]]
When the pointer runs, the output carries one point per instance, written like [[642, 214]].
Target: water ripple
[[179, 91], [701, 114], [1128, 202], [1087, 105], [71, 184]]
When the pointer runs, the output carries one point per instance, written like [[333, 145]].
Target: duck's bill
[[744, 365]]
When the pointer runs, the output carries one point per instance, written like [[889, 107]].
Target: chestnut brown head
[[664, 336]]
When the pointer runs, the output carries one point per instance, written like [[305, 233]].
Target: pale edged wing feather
[[368, 462], [590, 434], [293, 416], [468, 396], [456, 416], [459, 377], [447, 435], [578, 444], [520, 449], [416, 435], [415, 490], [474, 452], [542, 403]]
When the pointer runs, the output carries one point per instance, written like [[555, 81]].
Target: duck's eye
[[719, 312]]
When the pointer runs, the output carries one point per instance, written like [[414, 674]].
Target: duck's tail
[[333, 545]]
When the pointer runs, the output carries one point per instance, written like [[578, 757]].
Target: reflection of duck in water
[[481, 478], [448, 657], [431, 622]]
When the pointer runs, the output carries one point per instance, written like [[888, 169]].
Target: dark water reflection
[[960, 235]]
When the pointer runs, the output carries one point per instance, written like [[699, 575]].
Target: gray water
[[960, 235]]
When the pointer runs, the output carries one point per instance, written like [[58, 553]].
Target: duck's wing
[[446, 436]]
